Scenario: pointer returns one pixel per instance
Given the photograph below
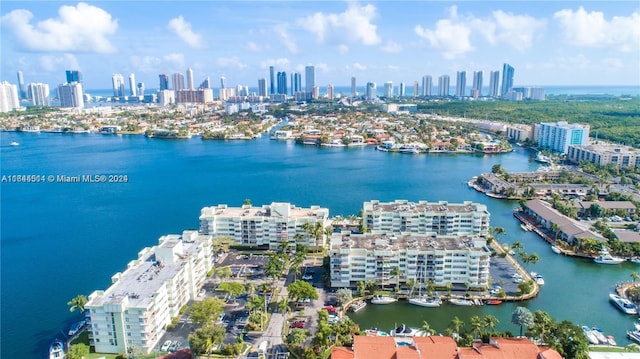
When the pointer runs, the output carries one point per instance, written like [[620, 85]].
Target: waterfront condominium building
[[38, 93], [461, 83], [133, 89], [371, 91], [141, 301], [282, 83], [164, 82], [427, 85], [560, 135], [262, 87], [460, 261], [443, 85], [178, 81], [429, 218], [494, 80], [415, 89], [9, 98], [71, 95], [117, 80], [477, 84], [388, 89], [354, 91], [268, 225], [74, 76], [296, 83], [507, 79], [309, 78], [272, 81], [22, 89], [190, 83], [602, 155], [402, 90], [330, 94]]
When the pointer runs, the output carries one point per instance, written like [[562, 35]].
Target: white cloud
[[147, 64], [231, 63], [355, 23], [252, 46], [591, 29], [451, 39], [59, 62], [391, 46], [343, 49], [175, 59], [516, 31], [282, 30], [83, 28], [279, 63], [359, 66], [183, 29]]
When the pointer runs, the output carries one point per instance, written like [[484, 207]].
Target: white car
[[165, 346]]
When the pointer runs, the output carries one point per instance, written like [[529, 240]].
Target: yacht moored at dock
[[381, 299], [357, 306], [431, 302], [624, 304], [56, 350], [463, 302], [606, 258]]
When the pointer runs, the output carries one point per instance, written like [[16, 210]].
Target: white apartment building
[[602, 155], [141, 301], [459, 261], [9, 98], [267, 225], [560, 135], [428, 218]]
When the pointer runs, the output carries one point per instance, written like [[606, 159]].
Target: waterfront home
[[141, 301], [461, 261], [625, 208], [268, 225]]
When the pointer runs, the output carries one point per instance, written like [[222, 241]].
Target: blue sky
[[547, 42]]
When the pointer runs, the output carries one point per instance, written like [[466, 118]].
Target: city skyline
[[552, 43]]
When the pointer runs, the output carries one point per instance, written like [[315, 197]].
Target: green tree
[[206, 310], [569, 340], [395, 273], [234, 289], [297, 336], [477, 326], [246, 202], [360, 288], [427, 328], [522, 317], [203, 339], [301, 290], [542, 324], [490, 322], [255, 303], [78, 351], [457, 324], [78, 302], [343, 295], [223, 272]]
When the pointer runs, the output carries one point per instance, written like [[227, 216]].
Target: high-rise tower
[[272, 81], [461, 83], [117, 80], [190, 84], [427, 85], [22, 89], [74, 76], [507, 79], [262, 87], [477, 83], [178, 81], [354, 91], [443, 85], [164, 81], [309, 78], [132, 85], [494, 80]]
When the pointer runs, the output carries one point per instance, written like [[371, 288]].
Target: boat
[[460, 301], [611, 340], [635, 260], [75, 327], [56, 350], [624, 304], [381, 299], [599, 335], [591, 337], [524, 227], [14, 143], [634, 335], [538, 278], [606, 258], [404, 331], [357, 306], [540, 157], [493, 302], [556, 250], [374, 332], [431, 302]]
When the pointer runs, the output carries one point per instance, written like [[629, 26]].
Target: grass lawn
[[84, 338]]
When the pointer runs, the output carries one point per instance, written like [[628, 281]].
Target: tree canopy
[[301, 290], [205, 311]]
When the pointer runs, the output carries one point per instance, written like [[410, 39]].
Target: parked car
[[297, 324], [165, 346], [307, 277]]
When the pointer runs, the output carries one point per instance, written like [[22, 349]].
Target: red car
[[297, 324]]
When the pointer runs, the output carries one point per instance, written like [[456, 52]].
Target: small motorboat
[[381, 299], [493, 302], [14, 143], [56, 350], [463, 302], [634, 335], [556, 250], [426, 301], [611, 341]]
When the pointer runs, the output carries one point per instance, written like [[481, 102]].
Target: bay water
[[58, 240]]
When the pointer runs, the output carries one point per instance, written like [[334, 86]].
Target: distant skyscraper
[[117, 81], [9, 98], [330, 91], [296, 83], [132, 85], [223, 82], [461, 83], [164, 81], [141, 89], [371, 91], [354, 91], [477, 82], [282, 83], [427, 85], [74, 76], [262, 87], [190, 84], [402, 90], [309, 78], [415, 89], [272, 81], [205, 84], [178, 81], [443, 85], [388, 89], [22, 89], [38, 93], [70, 95], [494, 80], [507, 79]]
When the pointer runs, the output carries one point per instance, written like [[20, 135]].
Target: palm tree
[[427, 328], [517, 246], [556, 229], [477, 325], [395, 273], [490, 322], [635, 276], [78, 302], [457, 324]]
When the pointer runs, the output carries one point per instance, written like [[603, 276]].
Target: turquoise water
[[58, 240]]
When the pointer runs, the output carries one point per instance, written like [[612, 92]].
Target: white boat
[[431, 302], [591, 337], [635, 260], [611, 341], [357, 306], [459, 301], [524, 227], [56, 350], [634, 335], [606, 258], [624, 304], [599, 335], [542, 158], [404, 331], [538, 278], [14, 143], [556, 250], [381, 299]]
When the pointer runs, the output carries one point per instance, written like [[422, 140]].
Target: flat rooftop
[[273, 210], [424, 206], [372, 241]]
